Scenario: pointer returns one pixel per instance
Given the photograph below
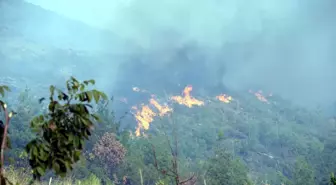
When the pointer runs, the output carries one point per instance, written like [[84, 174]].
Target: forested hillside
[[180, 126], [50, 45]]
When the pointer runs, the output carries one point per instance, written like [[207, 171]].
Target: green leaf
[[75, 85], [82, 87], [35, 151], [6, 88], [62, 174], [56, 166], [37, 121], [40, 170], [52, 106], [96, 117], [67, 165], [52, 90], [103, 95], [73, 79], [68, 85], [77, 155], [81, 143], [96, 95], [70, 138], [46, 148], [41, 118], [11, 160], [85, 121], [89, 95], [2, 92], [92, 81], [76, 141], [43, 156], [58, 149]]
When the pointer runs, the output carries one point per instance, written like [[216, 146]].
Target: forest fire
[[144, 117], [146, 113], [163, 110], [260, 96], [187, 99], [224, 98]]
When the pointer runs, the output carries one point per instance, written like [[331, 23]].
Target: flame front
[[260, 96], [163, 110], [224, 98], [144, 117], [187, 99]]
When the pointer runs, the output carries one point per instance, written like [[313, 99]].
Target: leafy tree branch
[[62, 131]]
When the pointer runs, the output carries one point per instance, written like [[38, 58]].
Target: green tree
[[224, 169], [303, 173], [60, 133], [333, 179]]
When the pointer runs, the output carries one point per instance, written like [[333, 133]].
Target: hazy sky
[[97, 13], [209, 21], [284, 45]]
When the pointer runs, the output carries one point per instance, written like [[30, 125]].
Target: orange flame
[[187, 99], [260, 96], [144, 118], [163, 110], [224, 98], [146, 115]]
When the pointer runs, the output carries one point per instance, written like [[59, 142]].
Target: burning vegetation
[[187, 99], [259, 94], [145, 114]]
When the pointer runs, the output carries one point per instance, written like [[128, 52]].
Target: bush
[[224, 169], [109, 150]]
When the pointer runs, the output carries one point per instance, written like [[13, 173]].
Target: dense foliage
[[62, 131], [247, 143]]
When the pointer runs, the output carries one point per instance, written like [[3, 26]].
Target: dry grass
[[22, 177]]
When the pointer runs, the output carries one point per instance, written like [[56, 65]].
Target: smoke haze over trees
[[237, 79], [285, 46]]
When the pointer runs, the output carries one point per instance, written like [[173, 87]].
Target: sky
[[98, 13], [286, 46]]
